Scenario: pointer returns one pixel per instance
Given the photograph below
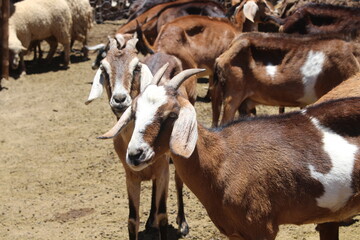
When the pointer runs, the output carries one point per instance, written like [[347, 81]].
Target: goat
[[346, 89], [189, 37], [285, 8], [251, 174], [164, 13], [123, 75], [280, 70], [320, 18]]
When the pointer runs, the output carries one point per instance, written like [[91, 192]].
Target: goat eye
[[101, 67], [137, 69], [173, 115]]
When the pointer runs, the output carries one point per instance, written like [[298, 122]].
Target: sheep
[[281, 70], [81, 13], [257, 173], [39, 20], [120, 73]]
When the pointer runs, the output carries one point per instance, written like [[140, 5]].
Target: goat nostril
[[134, 157], [119, 99]]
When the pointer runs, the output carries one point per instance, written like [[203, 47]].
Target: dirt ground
[[59, 182]]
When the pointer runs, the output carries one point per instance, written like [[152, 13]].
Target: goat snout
[[134, 157], [139, 158], [120, 101]]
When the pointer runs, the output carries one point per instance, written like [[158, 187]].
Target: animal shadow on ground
[[172, 234], [42, 66], [206, 98]]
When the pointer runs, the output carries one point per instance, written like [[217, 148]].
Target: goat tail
[[143, 45]]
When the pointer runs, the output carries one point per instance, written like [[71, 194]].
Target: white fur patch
[[147, 105], [271, 70], [337, 182], [133, 63], [310, 71], [106, 66]]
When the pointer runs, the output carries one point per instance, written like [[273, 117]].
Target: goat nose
[[135, 156], [119, 98]]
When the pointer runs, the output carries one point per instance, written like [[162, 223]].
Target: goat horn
[[123, 121], [176, 81], [120, 39], [113, 43], [95, 47], [158, 75]]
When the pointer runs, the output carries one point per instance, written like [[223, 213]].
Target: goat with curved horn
[[158, 75], [176, 81], [123, 121]]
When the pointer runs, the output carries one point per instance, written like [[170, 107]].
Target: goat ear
[[185, 133], [145, 77], [120, 39], [97, 87], [112, 43], [250, 10], [131, 44]]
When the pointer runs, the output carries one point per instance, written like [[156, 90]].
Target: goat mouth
[[119, 110], [142, 162]]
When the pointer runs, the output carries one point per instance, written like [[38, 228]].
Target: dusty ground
[[59, 182]]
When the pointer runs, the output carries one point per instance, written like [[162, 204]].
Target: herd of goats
[[255, 173]]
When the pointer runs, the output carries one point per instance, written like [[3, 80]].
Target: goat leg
[[183, 229], [133, 188]]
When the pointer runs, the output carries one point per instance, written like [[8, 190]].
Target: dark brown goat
[[321, 18]]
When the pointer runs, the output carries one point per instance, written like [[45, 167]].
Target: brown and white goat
[[280, 70], [123, 76], [346, 89], [254, 174], [320, 18]]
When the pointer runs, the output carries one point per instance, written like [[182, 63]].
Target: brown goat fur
[[348, 88], [280, 70], [322, 18], [258, 173], [150, 21]]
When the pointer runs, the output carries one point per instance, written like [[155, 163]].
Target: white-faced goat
[[254, 174], [123, 76], [280, 70]]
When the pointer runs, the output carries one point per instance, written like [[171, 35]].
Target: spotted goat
[[279, 70], [250, 174]]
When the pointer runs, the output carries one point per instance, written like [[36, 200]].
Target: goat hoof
[[149, 226], [183, 229], [151, 230]]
